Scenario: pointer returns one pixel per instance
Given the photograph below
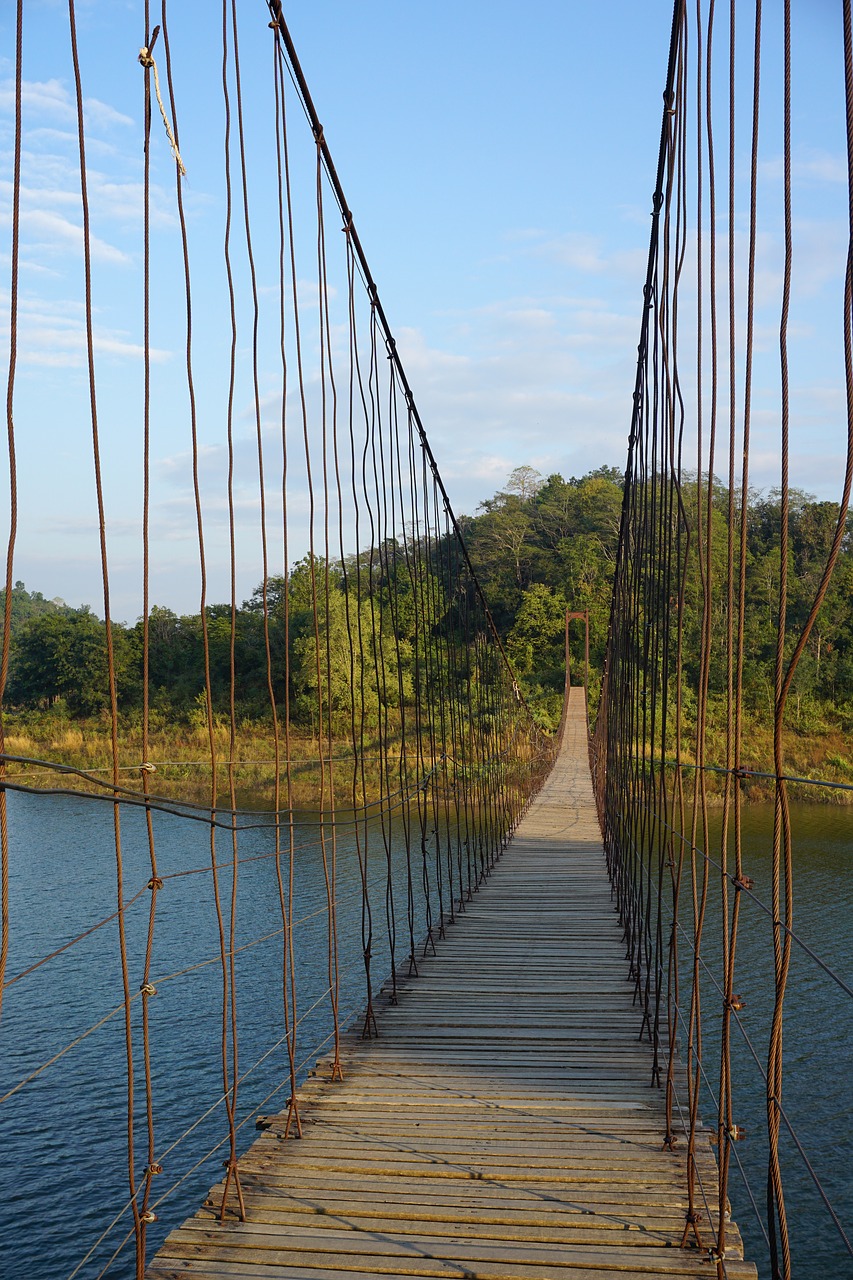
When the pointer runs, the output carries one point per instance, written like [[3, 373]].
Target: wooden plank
[[503, 1125]]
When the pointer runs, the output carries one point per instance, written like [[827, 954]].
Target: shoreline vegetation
[[182, 763], [539, 547]]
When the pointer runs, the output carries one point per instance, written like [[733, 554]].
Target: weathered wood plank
[[503, 1126]]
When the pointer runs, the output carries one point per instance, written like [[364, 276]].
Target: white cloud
[[52, 334], [64, 234], [51, 98], [808, 166], [41, 97], [102, 115]]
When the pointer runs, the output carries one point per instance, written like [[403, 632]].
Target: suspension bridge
[[475, 981]]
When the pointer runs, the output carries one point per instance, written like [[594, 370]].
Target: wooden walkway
[[502, 1126]]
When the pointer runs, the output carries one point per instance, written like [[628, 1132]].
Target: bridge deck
[[502, 1126]]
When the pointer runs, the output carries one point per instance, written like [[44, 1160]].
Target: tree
[[525, 483], [64, 655]]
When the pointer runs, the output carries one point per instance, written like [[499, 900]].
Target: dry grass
[[822, 755], [184, 768]]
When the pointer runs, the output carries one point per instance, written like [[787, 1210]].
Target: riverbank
[[181, 766], [820, 760], [180, 754]]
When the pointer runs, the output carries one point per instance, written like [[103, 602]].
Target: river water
[[63, 1175]]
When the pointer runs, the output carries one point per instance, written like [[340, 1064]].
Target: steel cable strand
[[403, 776], [154, 882], [782, 853], [232, 558], [469, 800], [379, 675], [326, 364], [293, 1112], [358, 746], [698, 807], [288, 968], [359, 708], [259, 440], [454, 658], [443, 664], [775, 1204], [387, 614], [13, 488], [440, 606], [723, 1120], [664, 655], [415, 567], [430, 611], [725, 1117], [731, 795], [781, 846], [139, 1232], [202, 567], [287, 257], [412, 548]]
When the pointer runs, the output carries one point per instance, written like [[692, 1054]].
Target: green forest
[[540, 546]]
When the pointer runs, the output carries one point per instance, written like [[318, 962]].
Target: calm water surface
[[63, 1174]]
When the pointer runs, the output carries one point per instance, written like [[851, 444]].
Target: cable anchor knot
[[146, 60]]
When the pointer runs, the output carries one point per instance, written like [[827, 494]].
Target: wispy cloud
[[53, 334], [63, 234], [51, 98]]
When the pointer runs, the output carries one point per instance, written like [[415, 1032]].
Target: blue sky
[[499, 162]]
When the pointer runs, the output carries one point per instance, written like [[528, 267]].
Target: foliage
[[394, 624]]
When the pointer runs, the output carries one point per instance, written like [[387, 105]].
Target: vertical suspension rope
[[111, 671], [155, 883], [13, 490]]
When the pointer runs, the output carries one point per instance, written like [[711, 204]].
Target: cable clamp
[[735, 1003], [147, 767], [743, 882], [736, 1133], [155, 883], [148, 989], [148, 1216], [152, 1169]]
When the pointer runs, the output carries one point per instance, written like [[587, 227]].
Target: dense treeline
[[545, 545], [361, 616], [540, 546]]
